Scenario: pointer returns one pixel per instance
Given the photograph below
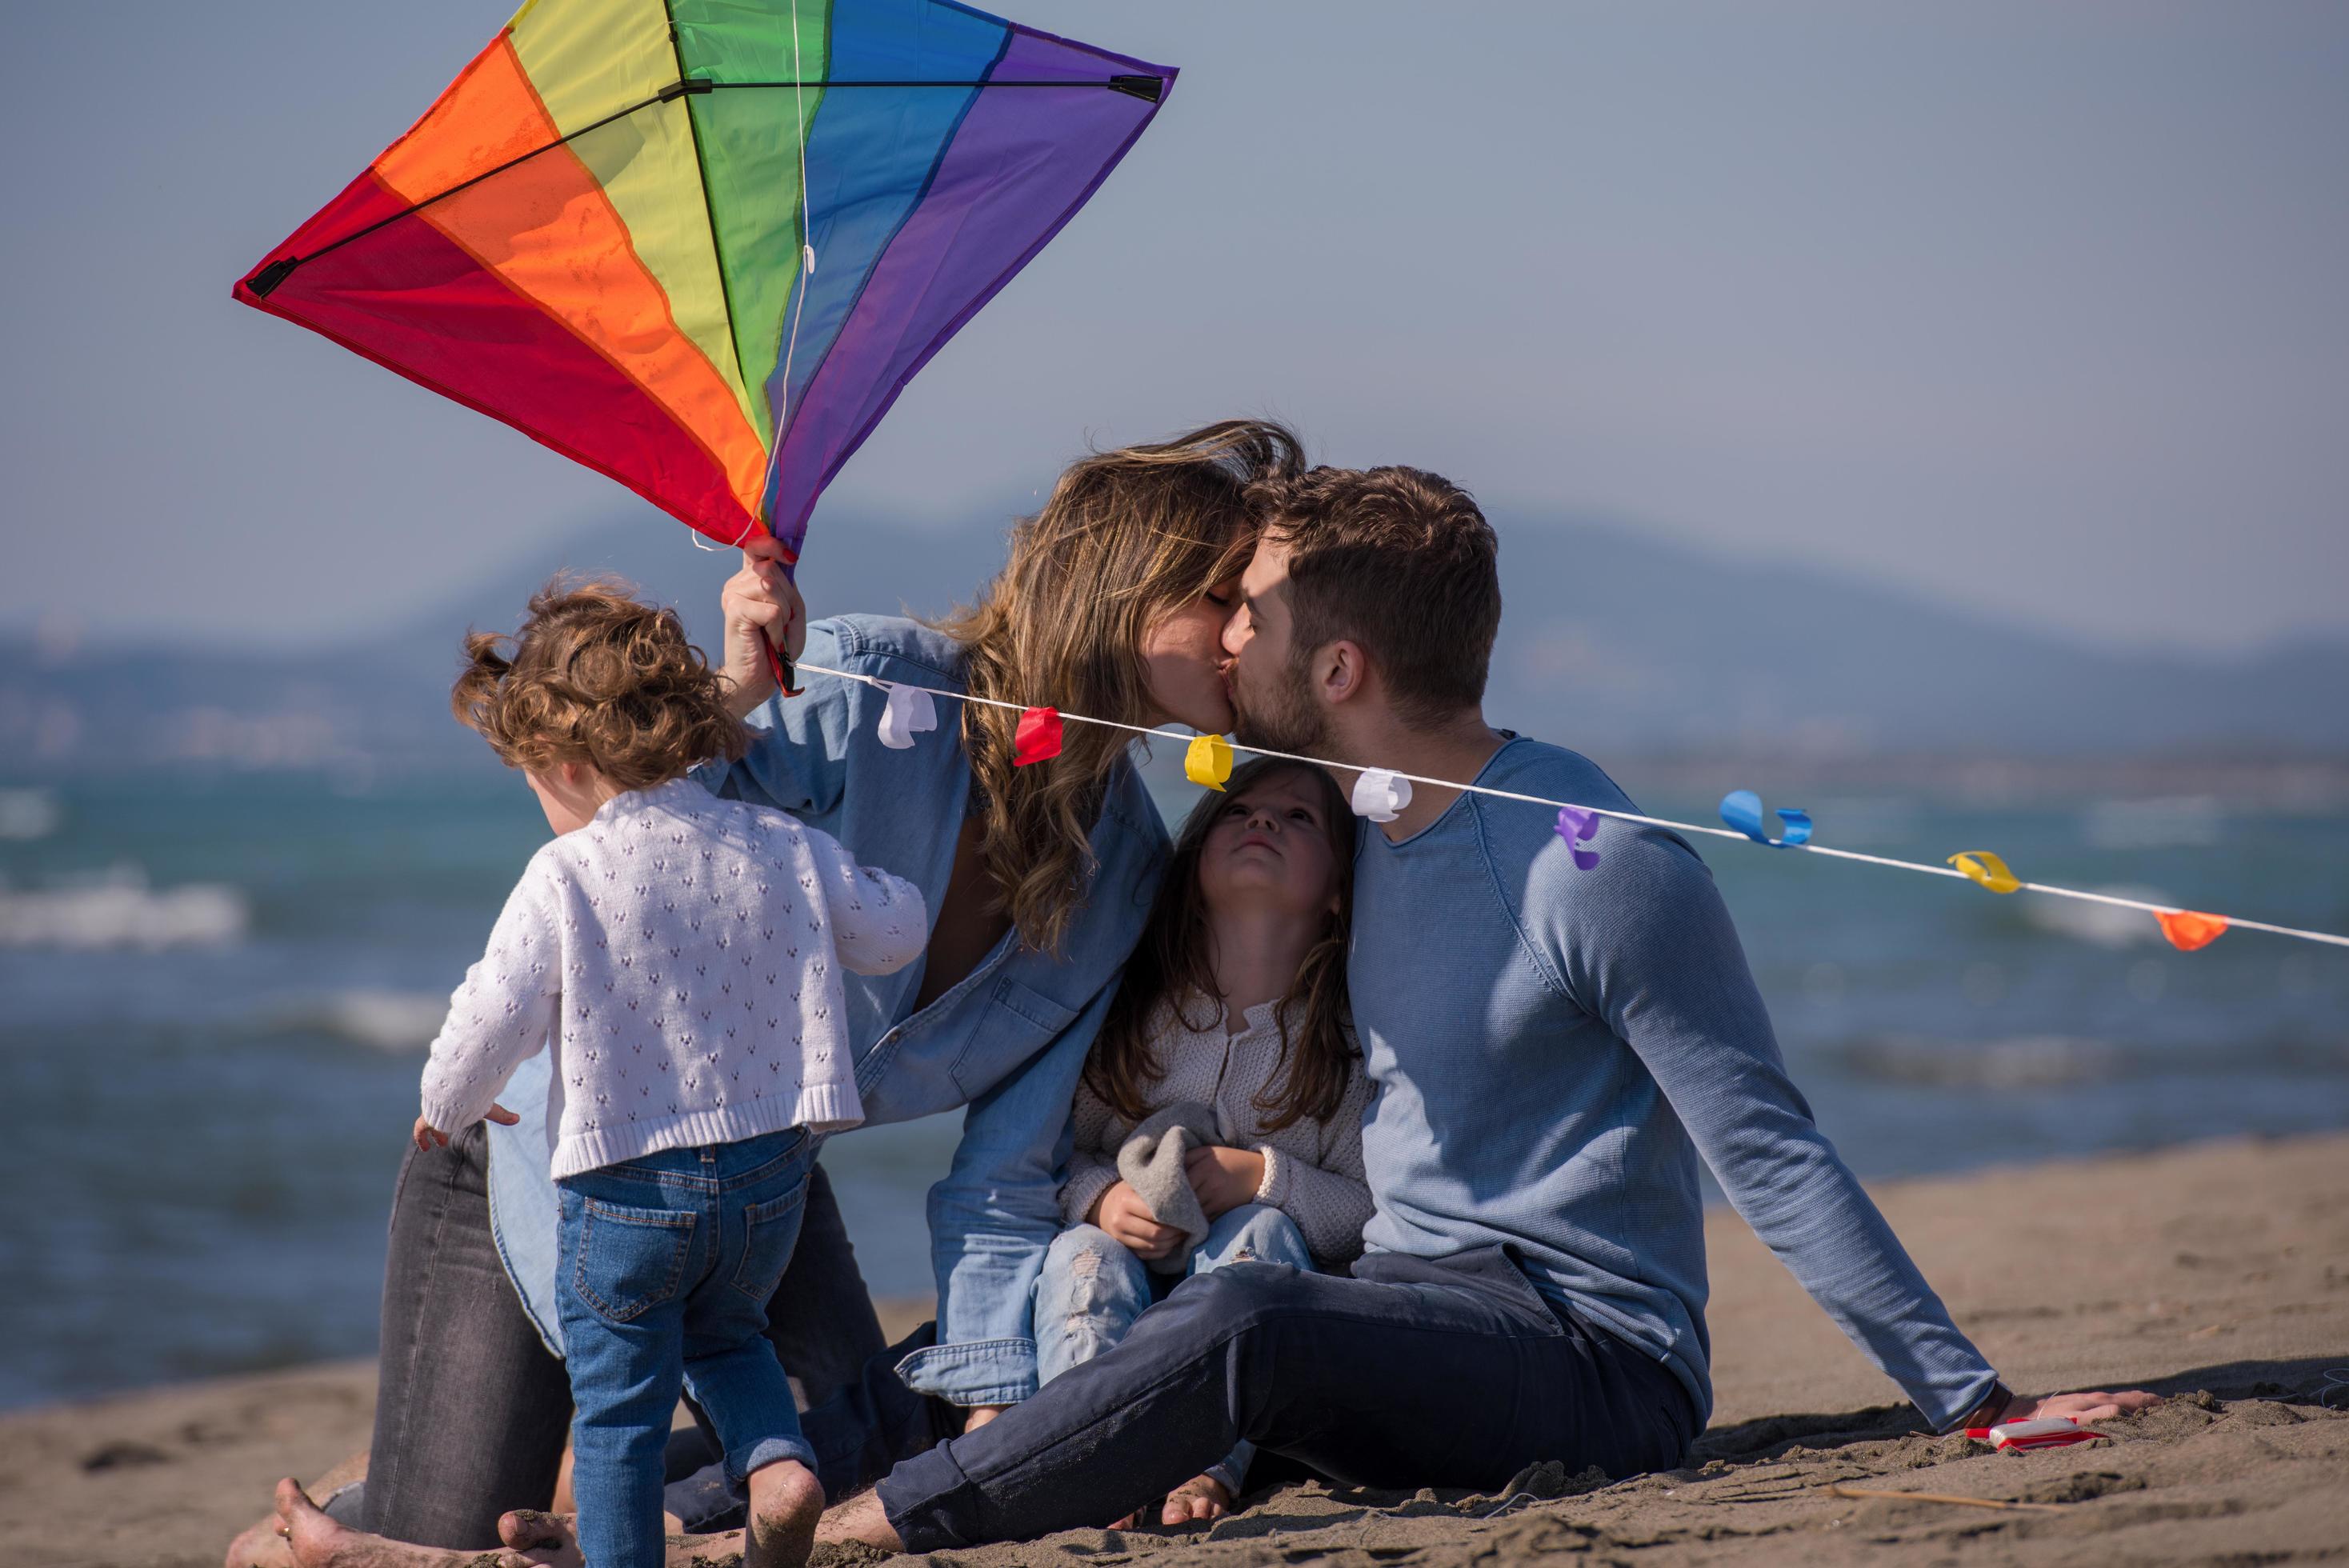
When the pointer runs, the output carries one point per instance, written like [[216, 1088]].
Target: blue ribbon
[[1742, 810]]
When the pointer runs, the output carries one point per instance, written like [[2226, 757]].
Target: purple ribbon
[[1575, 826]]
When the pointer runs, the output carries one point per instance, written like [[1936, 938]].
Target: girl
[[1235, 1002], [684, 954]]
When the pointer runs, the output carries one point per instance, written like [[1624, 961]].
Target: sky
[[2041, 309]]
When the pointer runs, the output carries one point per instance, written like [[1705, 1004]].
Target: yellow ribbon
[[1988, 869], [1208, 762]]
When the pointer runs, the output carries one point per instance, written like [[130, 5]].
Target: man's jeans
[[471, 1409], [1413, 1373], [667, 1264], [1093, 1288]]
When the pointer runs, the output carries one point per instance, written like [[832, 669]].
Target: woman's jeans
[[471, 1408], [666, 1262], [1094, 1287]]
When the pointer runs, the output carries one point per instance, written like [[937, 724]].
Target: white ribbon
[[1380, 795], [910, 710]]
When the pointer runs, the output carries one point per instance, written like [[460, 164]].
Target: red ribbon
[[1038, 737]]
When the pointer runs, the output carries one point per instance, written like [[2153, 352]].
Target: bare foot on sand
[[1200, 1498], [547, 1541], [786, 1501], [261, 1547], [547, 1537], [861, 1517], [318, 1542]]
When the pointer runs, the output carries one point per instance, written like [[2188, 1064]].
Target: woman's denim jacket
[[1009, 1041]]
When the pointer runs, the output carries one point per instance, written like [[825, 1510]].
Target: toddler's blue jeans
[[1092, 1287], [667, 1261]]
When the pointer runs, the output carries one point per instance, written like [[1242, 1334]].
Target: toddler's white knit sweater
[[683, 952]]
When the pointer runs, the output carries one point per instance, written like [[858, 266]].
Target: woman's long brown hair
[[1173, 969], [1127, 537]]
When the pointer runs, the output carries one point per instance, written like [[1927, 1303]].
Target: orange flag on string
[[1038, 736], [2188, 930]]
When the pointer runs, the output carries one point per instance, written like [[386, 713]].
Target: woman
[[1040, 877]]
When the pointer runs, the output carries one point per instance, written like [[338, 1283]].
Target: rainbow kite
[[701, 245]]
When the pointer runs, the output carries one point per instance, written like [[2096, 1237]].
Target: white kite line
[[1809, 849]]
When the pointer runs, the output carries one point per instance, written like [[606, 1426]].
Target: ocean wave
[[2068, 1061], [2105, 925], [382, 1020], [121, 911], [2169, 822], [28, 814], [2030, 1061]]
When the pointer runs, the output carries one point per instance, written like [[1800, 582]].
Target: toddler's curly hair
[[597, 676]]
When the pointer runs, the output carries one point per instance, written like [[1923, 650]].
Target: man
[[1554, 1048]]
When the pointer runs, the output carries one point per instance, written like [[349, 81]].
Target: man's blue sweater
[[1554, 1048]]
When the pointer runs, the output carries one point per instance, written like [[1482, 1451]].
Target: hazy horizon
[[2035, 310]]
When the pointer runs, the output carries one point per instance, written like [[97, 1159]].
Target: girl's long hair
[[1127, 537], [1173, 968]]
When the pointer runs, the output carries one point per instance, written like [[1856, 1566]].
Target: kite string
[[2049, 888]]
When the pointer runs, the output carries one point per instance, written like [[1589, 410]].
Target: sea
[[215, 995]]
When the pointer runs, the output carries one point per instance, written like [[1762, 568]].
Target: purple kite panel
[[1018, 168]]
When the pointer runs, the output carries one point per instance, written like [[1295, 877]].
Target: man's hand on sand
[[760, 604], [2082, 1407]]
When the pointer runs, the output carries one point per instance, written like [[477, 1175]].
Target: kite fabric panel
[[600, 233]]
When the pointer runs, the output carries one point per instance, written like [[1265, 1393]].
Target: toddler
[[1226, 1082], [681, 951]]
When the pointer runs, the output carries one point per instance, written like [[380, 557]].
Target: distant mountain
[[1613, 642], [1634, 644]]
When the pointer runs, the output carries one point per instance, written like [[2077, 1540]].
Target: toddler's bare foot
[[786, 1503], [1200, 1498], [549, 1538]]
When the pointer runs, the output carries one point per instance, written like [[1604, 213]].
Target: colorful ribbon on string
[[1208, 761], [909, 712], [1381, 794], [1577, 827], [1038, 738], [1742, 810], [1987, 869], [2190, 930]]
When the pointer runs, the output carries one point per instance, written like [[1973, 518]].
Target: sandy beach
[[2217, 1273]]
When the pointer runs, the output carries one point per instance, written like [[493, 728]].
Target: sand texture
[[2219, 1274]]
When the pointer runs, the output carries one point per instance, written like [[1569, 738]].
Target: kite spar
[[701, 245]]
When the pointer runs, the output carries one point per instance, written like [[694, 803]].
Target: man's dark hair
[[1399, 561]]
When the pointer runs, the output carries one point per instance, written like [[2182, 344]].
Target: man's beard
[[1282, 718]]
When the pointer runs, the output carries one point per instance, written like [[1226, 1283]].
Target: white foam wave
[[2168, 821], [380, 1019], [2105, 925], [2026, 1062], [122, 910], [26, 814]]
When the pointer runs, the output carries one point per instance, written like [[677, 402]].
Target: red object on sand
[[2188, 930], [1038, 738], [2050, 1432]]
